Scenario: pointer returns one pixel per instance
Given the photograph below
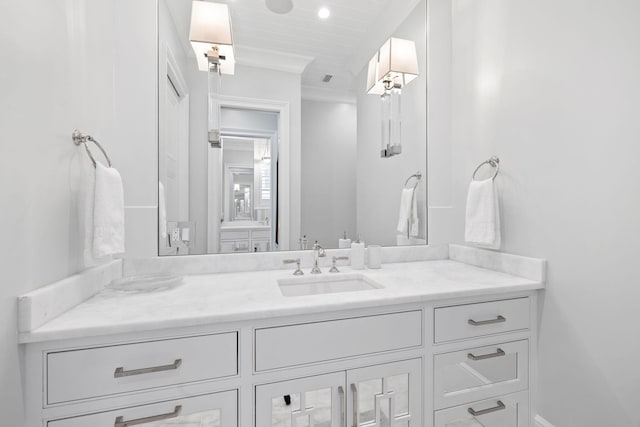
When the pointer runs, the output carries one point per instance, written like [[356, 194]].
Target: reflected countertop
[[244, 225], [228, 297]]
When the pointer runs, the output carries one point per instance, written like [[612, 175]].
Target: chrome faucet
[[318, 251]]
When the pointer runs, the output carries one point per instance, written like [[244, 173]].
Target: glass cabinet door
[[388, 395], [211, 410], [306, 402]]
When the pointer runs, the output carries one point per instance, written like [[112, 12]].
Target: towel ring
[[417, 176], [494, 161], [82, 138]]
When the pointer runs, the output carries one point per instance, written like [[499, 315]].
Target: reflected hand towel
[[408, 216]]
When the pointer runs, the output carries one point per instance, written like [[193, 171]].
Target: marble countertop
[[225, 297]]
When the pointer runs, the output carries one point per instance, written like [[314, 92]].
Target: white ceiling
[[340, 45]]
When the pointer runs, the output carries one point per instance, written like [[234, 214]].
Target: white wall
[[552, 88], [329, 144], [57, 76], [380, 181]]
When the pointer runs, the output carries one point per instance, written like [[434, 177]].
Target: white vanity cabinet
[[255, 238], [487, 384], [444, 363], [379, 395]]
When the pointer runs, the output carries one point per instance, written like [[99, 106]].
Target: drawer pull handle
[[498, 353], [498, 319], [499, 407], [120, 422], [120, 372], [354, 394]]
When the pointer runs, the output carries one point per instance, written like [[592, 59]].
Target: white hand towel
[[482, 226], [108, 213], [408, 213], [162, 212]]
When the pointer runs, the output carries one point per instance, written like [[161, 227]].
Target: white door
[[388, 395], [316, 401]]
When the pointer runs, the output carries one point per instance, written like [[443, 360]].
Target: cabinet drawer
[[234, 246], [94, 372], [234, 235], [503, 411], [217, 409], [475, 320], [480, 373], [260, 234], [292, 345]]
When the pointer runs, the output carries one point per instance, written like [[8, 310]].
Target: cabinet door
[[388, 395], [306, 402], [211, 410]]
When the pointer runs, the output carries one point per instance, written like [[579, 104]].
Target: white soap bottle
[[344, 243], [357, 255]]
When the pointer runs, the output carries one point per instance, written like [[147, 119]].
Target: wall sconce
[[212, 42], [211, 37], [390, 70]]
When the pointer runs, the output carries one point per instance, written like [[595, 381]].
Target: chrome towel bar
[[82, 138]]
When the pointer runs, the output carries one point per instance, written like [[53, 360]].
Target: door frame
[[282, 179]]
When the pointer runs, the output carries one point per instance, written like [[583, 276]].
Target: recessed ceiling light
[[324, 13]]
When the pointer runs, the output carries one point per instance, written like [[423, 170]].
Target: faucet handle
[[334, 269], [298, 271]]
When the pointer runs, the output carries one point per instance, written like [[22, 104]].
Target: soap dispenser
[[357, 254], [344, 243]]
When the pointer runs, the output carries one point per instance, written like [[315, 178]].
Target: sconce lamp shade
[[397, 65], [211, 26], [375, 85]]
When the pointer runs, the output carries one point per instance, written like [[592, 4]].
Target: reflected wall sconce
[[212, 41], [389, 71]]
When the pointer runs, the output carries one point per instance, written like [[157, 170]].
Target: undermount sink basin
[[300, 286]]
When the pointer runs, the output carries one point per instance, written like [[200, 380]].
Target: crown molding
[[271, 59], [313, 93]]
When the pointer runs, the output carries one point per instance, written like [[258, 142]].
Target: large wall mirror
[[301, 156]]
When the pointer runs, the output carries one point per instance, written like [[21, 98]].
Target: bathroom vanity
[[429, 343]]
